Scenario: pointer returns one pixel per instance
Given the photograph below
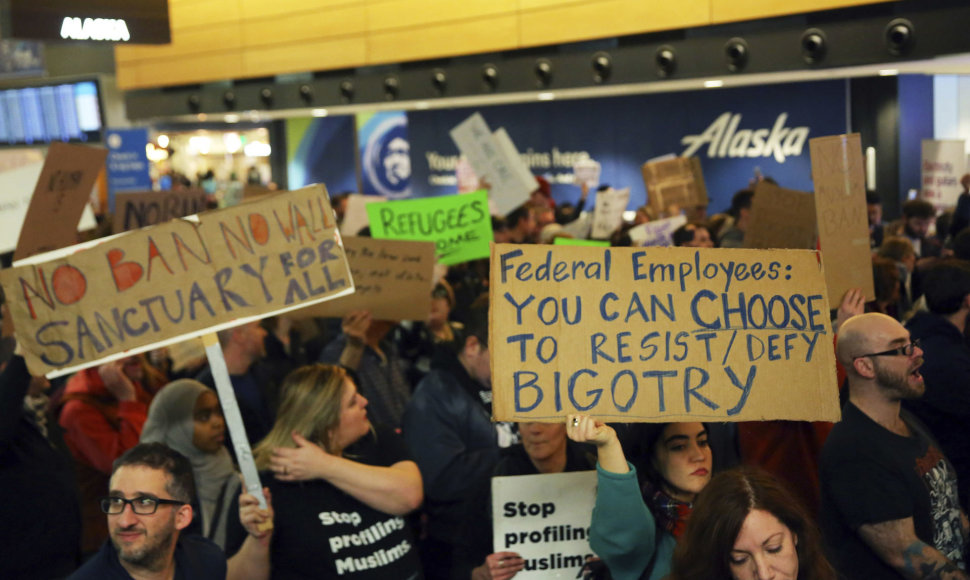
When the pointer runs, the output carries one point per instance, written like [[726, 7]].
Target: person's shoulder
[[200, 557], [99, 567]]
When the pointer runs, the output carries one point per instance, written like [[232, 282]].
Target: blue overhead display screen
[[68, 112]]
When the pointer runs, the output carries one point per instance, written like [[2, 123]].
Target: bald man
[[889, 496]]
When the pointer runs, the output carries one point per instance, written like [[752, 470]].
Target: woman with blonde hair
[[336, 488]]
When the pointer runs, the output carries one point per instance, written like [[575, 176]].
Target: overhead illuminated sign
[[116, 21], [115, 30]]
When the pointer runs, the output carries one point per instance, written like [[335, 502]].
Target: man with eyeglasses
[[889, 496], [147, 507]]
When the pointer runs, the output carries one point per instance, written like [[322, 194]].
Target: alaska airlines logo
[[724, 140], [95, 29]]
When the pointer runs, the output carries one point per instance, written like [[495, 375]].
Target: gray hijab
[[170, 421]]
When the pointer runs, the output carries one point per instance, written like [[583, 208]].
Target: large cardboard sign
[[545, 519], [781, 219], [459, 225], [59, 198], [496, 159], [18, 188], [393, 280], [944, 163], [660, 334], [608, 211], [656, 233], [840, 207], [677, 181], [138, 209], [144, 289]]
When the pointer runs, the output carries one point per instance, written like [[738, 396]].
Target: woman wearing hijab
[[185, 415]]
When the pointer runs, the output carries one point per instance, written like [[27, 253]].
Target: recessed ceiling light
[[888, 72], [320, 112], [713, 84], [546, 96]]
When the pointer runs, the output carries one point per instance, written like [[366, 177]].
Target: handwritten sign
[[494, 161], [840, 208], [545, 519], [781, 219], [135, 210], [459, 225], [62, 192], [674, 181], [656, 233], [18, 188], [944, 163], [608, 211], [147, 288], [392, 279], [660, 334]]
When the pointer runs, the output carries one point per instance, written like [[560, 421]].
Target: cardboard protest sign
[[355, 214], [781, 219], [62, 192], [608, 212], [392, 279], [18, 189], [545, 519], [495, 162], [660, 334], [656, 233], [840, 207], [944, 162], [579, 242], [138, 209], [587, 171], [674, 181], [459, 225], [146, 288]]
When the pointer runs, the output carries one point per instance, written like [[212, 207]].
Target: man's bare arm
[[896, 543]]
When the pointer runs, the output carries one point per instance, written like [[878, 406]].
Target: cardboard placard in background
[[147, 288], [608, 212], [355, 215], [545, 519], [781, 219], [459, 225], [657, 232], [60, 196], [840, 205], [137, 209], [392, 279], [675, 181], [18, 189], [493, 161], [660, 334]]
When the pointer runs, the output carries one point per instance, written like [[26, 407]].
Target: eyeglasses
[[905, 350], [143, 506]]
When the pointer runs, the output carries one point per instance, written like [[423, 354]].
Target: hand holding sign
[[499, 566]]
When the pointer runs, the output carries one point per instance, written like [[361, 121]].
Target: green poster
[[577, 242], [459, 225]]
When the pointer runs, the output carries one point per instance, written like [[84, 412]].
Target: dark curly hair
[[719, 512]]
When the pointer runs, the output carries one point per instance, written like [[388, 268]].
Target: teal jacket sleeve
[[622, 532]]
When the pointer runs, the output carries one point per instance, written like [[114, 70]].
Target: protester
[[692, 236], [900, 250], [732, 235], [522, 226], [637, 540], [746, 525], [186, 417], [874, 217], [418, 341], [148, 507], [889, 495], [337, 486], [919, 216]]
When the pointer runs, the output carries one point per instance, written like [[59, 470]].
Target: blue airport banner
[[735, 132], [321, 150], [385, 160], [127, 162]]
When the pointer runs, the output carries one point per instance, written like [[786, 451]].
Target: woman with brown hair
[[337, 488], [746, 525]]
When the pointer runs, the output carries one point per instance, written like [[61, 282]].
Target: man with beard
[[889, 495], [148, 505]]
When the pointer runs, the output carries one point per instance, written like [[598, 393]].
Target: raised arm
[[895, 542], [252, 561], [394, 490]]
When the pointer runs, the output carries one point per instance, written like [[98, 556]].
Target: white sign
[[656, 233], [723, 139], [114, 30], [497, 160], [608, 215], [944, 163], [587, 171], [545, 519], [467, 178], [18, 188], [355, 215]]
